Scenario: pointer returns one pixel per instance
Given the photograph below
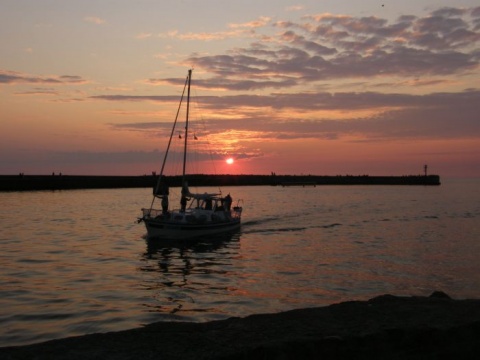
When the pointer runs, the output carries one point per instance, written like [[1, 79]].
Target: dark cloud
[[314, 101], [135, 98], [239, 85], [39, 91], [396, 116], [330, 47], [143, 125], [12, 77], [71, 79], [449, 12], [327, 47]]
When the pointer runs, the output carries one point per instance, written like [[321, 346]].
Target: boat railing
[[236, 212], [151, 212]]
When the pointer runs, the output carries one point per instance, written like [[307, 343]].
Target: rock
[[439, 295]]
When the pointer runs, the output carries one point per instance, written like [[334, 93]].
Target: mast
[[186, 130], [160, 177]]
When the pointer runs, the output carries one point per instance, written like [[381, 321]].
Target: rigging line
[[206, 135], [168, 146], [196, 150], [209, 147]]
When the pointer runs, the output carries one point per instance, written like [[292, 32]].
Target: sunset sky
[[292, 87]]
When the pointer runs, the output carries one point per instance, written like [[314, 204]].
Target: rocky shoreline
[[385, 327]]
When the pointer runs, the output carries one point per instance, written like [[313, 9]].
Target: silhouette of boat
[[199, 214]]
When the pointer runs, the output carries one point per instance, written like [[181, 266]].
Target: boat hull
[[158, 229]]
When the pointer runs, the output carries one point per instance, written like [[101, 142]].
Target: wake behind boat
[[199, 214]]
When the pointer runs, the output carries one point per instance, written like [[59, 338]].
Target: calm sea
[[76, 262]]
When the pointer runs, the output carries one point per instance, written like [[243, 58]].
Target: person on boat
[[228, 202], [183, 203], [208, 204], [162, 187], [165, 204]]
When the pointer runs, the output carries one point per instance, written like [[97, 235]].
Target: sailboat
[[199, 214]]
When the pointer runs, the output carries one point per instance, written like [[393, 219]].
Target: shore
[[385, 327], [23, 182]]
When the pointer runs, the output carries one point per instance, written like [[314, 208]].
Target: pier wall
[[69, 182]]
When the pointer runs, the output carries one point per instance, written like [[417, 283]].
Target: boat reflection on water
[[190, 279], [199, 244]]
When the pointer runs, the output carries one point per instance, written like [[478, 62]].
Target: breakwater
[[69, 182]]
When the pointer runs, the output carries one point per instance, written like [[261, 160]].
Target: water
[[76, 262]]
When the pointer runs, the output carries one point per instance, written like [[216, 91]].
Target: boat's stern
[[236, 212]]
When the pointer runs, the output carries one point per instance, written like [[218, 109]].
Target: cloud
[[389, 116], [220, 83], [314, 101], [241, 30], [13, 77], [395, 116], [260, 22], [209, 36], [326, 47], [319, 50], [39, 91], [135, 98], [94, 20]]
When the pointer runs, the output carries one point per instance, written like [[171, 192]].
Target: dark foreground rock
[[386, 327]]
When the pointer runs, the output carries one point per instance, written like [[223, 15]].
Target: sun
[[229, 161]]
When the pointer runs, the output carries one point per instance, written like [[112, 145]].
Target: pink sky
[[302, 87]]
